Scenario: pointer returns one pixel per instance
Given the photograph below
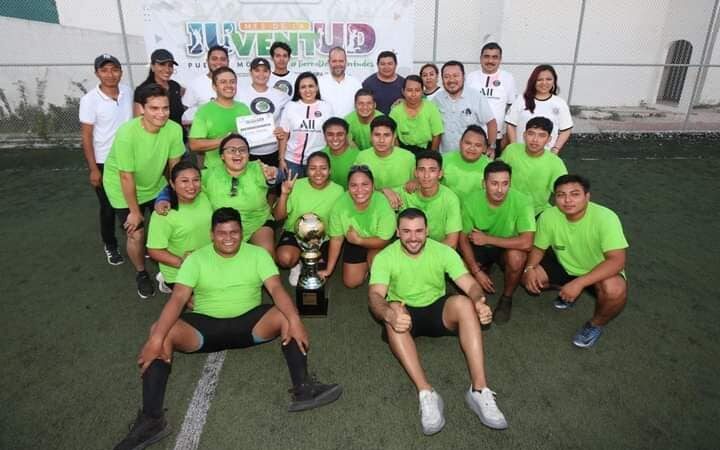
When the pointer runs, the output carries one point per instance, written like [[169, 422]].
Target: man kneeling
[[395, 283], [225, 278]]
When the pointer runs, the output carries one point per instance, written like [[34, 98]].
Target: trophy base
[[311, 302]]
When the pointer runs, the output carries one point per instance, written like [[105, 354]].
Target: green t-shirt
[[442, 210], [182, 230], [213, 121], [391, 171], [418, 281], [378, 219], [250, 200], [340, 164], [534, 176], [461, 176], [304, 199], [581, 245], [143, 154], [418, 130], [512, 217], [226, 287], [360, 132]]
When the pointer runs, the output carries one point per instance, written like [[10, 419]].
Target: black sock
[[154, 382], [296, 362]]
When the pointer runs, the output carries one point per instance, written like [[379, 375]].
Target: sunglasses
[[234, 187]]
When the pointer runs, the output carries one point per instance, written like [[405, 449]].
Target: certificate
[[257, 129]]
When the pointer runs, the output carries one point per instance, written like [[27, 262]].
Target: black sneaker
[[312, 395], [503, 310], [114, 258], [145, 285], [144, 432]]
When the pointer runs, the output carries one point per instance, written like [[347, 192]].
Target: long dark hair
[[302, 76], [177, 168], [530, 90]]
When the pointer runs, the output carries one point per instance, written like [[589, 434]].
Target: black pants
[[107, 216]]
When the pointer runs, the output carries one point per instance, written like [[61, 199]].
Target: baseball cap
[[104, 59], [257, 62], [161, 56]]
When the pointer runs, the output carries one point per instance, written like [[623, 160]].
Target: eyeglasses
[[236, 150], [234, 186]]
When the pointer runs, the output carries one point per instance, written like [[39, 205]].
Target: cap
[[161, 56], [258, 62], [104, 59]]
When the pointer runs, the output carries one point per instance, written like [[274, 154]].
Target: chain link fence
[[623, 62]]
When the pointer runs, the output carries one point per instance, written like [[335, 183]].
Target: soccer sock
[[296, 362], [154, 383]]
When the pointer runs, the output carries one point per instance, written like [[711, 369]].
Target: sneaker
[[483, 404], [144, 432], [145, 286], [588, 335], [503, 310], [562, 304], [294, 275], [162, 287], [114, 258], [312, 395], [431, 412]]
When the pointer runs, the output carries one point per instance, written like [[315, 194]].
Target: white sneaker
[[294, 275], [483, 404], [162, 287], [431, 412]]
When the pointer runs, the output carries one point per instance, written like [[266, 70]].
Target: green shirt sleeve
[[454, 266], [454, 215], [526, 216], [380, 273], [335, 228], [189, 273], [436, 123], [612, 237], [159, 232], [178, 147], [124, 150], [199, 128], [266, 267], [543, 235]]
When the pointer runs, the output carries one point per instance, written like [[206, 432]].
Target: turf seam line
[[192, 427]]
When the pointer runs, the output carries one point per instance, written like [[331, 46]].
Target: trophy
[[310, 295]]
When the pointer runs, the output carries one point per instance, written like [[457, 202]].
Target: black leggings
[[107, 216]]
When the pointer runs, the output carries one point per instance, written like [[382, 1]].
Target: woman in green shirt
[[363, 220], [185, 227], [419, 123]]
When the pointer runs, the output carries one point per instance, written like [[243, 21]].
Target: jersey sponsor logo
[[307, 124], [496, 83], [262, 105], [284, 86], [318, 113], [489, 93], [467, 111]]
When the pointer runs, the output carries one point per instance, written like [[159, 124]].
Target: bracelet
[[527, 269]]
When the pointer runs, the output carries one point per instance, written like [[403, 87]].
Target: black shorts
[[557, 275], [225, 334], [354, 254], [288, 238], [427, 320], [487, 255], [123, 213]]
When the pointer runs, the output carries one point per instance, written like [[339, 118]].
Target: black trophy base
[[311, 302]]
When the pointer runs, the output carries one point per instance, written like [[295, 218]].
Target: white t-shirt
[[198, 92], [340, 95], [269, 101], [105, 115], [304, 123], [285, 83], [498, 89], [434, 94], [554, 108]]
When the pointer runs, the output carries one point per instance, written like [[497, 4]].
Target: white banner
[[310, 27]]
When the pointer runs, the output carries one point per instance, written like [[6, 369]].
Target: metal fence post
[[577, 51], [435, 31], [125, 44]]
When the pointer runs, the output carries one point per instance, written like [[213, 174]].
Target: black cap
[[258, 62], [161, 56], [104, 59]]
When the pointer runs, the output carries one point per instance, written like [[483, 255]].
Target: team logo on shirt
[[262, 105], [496, 83], [467, 112], [556, 111], [318, 113], [284, 86]]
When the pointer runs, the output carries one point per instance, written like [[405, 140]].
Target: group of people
[[416, 183]]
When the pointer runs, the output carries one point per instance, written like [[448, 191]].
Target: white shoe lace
[[429, 411], [489, 406]]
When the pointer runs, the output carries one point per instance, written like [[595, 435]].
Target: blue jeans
[[295, 168]]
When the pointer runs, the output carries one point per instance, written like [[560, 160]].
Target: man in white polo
[[337, 87]]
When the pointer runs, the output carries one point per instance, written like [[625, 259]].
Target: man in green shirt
[[409, 305], [216, 119], [342, 155], [392, 166], [463, 169], [588, 253], [143, 151], [439, 203], [359, 120], [535, 169], [498, 228], [225, 279]]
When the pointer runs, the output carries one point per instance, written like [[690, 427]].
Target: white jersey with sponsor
[[270, 100], [554, 108], [285, 83], [106, 115], [498, 89], [198, 92], [341, 95], [304, 123]]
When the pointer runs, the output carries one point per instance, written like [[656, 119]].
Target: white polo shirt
[[269, 101], [106, 115], [470, 108], [198, 92], [499, 91], [341, 95]]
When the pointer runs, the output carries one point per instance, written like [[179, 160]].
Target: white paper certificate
[[257, 129]]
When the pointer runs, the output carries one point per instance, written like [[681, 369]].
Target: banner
[[311, 28]]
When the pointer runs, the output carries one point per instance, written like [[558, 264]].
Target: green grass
[[73, 325]]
